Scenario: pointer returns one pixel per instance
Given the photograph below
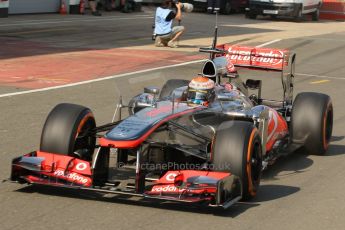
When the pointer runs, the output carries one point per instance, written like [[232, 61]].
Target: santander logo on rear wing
[[255, 57]]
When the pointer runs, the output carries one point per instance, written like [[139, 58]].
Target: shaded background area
[[81, 33]]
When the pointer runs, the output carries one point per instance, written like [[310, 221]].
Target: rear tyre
[[170, 86], [66, 131], [237, 149], [312, 122]]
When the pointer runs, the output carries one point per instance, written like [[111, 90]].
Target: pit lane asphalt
[[299, 192]]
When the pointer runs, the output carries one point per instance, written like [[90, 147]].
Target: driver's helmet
[[200, 90]]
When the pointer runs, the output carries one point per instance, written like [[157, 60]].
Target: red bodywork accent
[[166, 184], [38, 180], [134, 143], [277, 128], [66, 168], [254, 57]]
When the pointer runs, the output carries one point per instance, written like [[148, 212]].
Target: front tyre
[[312, 121], [66, 131], [237, 149]]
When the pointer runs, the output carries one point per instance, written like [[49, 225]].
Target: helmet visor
[[197, 95]]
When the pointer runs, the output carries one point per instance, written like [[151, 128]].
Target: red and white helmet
[[200, 90]]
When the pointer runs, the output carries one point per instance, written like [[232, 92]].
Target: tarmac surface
[[40, 51]]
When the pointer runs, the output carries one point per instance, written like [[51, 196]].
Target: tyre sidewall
[[234, 144], [61, 128], [309, 121]]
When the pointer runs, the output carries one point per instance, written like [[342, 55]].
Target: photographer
[[166, 35]]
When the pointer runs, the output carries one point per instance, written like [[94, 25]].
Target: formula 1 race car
[[172, 148]]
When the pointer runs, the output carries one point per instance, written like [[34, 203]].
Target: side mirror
[[231, 75], [253, 84], [151, 90]]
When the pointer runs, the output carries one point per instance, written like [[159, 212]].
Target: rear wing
[[256, 57], [280, 60]]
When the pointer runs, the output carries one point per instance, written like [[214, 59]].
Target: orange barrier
[[82, 7], [63, 9], [333, 9]]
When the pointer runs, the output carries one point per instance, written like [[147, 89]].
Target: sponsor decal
[[73, 177], [166, 188], [171, 176], [81, 166], [272, 57]]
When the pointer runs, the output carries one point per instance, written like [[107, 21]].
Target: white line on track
[[111, 77], [319, 76], [98, 79], [39, 22], [269, 43]]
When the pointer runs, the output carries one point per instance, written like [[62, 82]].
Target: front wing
[[219, 189]]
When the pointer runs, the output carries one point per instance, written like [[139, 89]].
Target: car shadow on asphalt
[[294, 163], [298, 162], [266, 193], [334, 149]]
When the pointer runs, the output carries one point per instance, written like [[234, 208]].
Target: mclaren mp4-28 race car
[[201, 141]]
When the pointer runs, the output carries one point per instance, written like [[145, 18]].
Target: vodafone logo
[[81, 166], [168, 188], [273, 57], [74, 177], [171, 176]]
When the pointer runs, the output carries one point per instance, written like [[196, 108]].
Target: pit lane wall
[[333, 9]]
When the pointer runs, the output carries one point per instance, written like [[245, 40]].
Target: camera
[[185, 7]]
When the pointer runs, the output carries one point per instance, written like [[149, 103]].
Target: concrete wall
[[33, 6]]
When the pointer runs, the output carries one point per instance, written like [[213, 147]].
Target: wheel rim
[[85, 143], [256, 164]]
